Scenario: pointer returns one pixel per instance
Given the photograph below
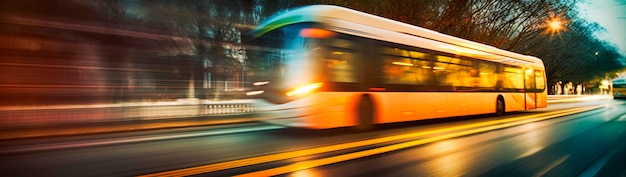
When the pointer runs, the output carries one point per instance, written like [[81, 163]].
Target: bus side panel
[[513, 101], [407, 106], [319, 110], [404, 106], [335, 109], [476, 103]]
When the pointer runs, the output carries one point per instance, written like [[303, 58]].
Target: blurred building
[[67, 62]]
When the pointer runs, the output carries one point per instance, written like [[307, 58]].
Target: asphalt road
[[567, 139]]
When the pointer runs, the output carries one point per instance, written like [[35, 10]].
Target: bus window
[[342, 43], [396, 52], [403, 53], [281, 52], [406, 71], [455, 60], [539, 80], [529, 79], [419, 55], [513, 78], [487, 75], [452, 71], [453, 75], [341, 61], [341, 67]]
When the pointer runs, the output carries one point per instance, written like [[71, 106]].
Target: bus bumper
[[290, 114]]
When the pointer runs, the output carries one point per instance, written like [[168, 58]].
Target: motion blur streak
[[305, 89], [85, 28], [130, 140], [551, 166], [100, 30], [335, 159], [309, 164]]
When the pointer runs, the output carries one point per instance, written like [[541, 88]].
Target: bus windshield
[[282, 55]]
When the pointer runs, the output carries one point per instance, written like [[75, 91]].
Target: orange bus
[[329, 66]]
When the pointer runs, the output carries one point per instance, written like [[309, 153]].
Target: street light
[[555, 24]]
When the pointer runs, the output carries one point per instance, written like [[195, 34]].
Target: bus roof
[[619, 81], [329, 14]]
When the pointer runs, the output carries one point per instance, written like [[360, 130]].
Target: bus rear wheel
[[365, 114], [500, 106]]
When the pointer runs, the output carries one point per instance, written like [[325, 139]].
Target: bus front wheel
[[365, 113]]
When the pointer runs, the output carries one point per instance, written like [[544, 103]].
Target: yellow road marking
[[319, 150], [345, 157]]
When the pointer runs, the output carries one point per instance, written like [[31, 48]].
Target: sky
[[610, 14]]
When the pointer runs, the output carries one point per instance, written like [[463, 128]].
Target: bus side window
[[539, 80], [529, 78], [512, 78], [402, 66], [405, 71], [487, 77], [396, 70], [453, 71], [341, 61]]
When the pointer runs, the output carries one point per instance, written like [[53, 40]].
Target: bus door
[[540, 89], [530, 94]]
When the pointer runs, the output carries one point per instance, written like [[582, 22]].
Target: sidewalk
[[29, 116], [39, 121]]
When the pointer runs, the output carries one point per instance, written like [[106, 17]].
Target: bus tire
[[365, 113], [500, 109]]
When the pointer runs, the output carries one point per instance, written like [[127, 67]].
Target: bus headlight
[[304, 89], [258, 92], [261, 83]]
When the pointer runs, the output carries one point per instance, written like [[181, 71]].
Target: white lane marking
[[54, 146], [597, 165], [529, 153], [551, 166]]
